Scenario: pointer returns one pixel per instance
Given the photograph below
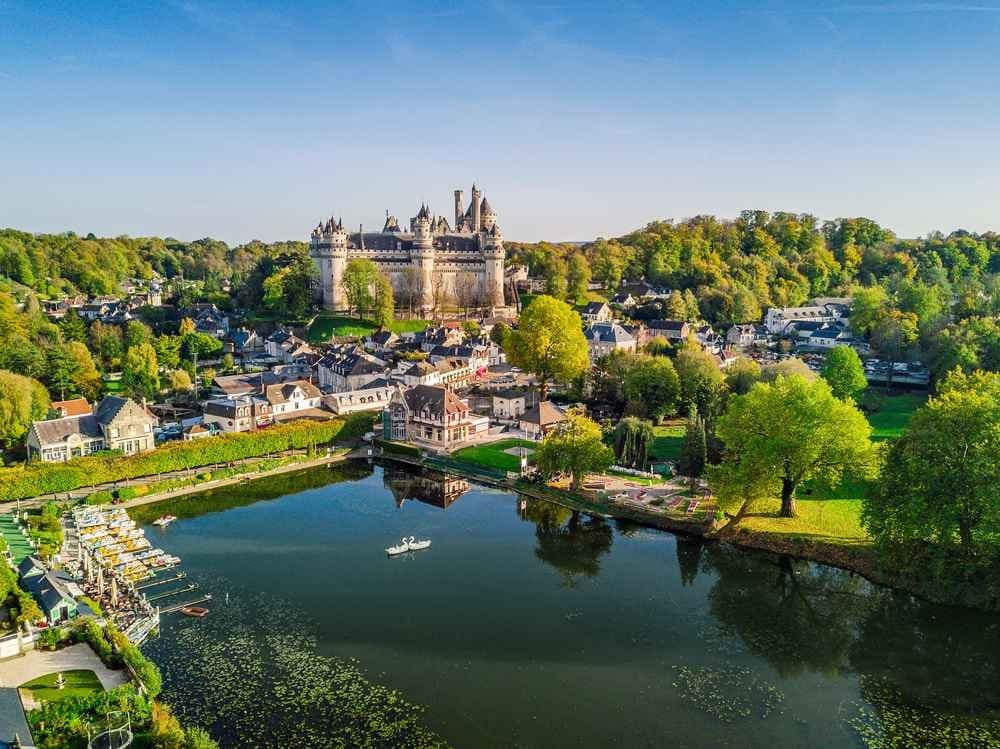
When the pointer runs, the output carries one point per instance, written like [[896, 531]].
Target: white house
[[290, 399]]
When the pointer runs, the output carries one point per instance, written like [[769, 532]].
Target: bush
[[34, 479], [126, 492], [99, 498]]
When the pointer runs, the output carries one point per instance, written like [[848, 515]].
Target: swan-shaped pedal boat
[[408, 544]]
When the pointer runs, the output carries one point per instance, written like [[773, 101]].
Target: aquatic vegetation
[[729, 693], [887, 721], [258, 681]]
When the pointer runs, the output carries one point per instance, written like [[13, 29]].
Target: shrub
[[99, 498], [126, 492]]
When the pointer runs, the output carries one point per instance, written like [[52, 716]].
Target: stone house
[[432, 415], [117, 424], [605, 337], [596, 312], [540, 419]]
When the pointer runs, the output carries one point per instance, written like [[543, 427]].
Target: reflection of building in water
[[429, 487]]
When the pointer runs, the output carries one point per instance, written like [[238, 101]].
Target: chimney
[[458, 208]]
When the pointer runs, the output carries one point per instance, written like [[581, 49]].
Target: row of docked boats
[[113, 537]]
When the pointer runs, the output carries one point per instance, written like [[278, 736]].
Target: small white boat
[[418, 545], [164, 521], [407, 545], [402, 548]]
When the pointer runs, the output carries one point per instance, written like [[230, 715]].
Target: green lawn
[[325, 326], [893, 415], [493, 455], [667, 441], [78, 684]]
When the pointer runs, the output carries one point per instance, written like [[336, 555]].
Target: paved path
[[23, 668]]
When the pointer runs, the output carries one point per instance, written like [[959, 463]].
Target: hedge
[[35, 479], [399, 448]]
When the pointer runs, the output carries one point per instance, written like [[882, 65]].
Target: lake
[[525, 625]]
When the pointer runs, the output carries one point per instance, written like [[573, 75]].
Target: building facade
[[117, 424], [430, 265]]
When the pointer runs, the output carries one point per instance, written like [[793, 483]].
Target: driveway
[[23, 668]]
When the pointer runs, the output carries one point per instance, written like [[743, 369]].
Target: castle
[[429, 266]]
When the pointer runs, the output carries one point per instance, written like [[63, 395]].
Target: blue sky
[[244, 120]]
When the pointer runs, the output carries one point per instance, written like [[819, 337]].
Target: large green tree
[[140, 372], [941, 478], [22, 400], [652, 387], [548, 342], [574, 447], [577, 277], [633, 439], [788, 431], [845, 373], [359, 278], [702, 382], [383, 303]]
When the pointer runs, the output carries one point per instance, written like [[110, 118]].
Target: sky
[[244, 120]]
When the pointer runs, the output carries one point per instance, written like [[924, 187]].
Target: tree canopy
[[785, 432], [574, 447], [548, 342]]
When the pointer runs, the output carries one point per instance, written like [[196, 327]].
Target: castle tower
[[458, 208], [328, 248], [493, 254], [487, 215], [477, 198], [422, 256]]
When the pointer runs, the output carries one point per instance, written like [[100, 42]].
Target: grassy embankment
[[325, 326], [833, 516]]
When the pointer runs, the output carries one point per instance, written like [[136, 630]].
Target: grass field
[[493, 455], [78, 684], [667, 441], [893, 415], [325, 326]]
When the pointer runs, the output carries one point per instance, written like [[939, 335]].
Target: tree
[[574, 447], [556, 286], [140, 372], [87, 380], [940, 478], [471, 329], [466, 290], [409, 287], [186, 327], [893, 334], [633, 439], [845, 373], [227, 362], [694, 450], [61, 371], [548, 342], [578, 278], [22, 400], [499, 333], [199, 345], [168, 349], [359, 277], [792, 366], [868, 305], [137, 333], [701, 379], [742, 375], [106, 340], [179, 381], [73, 327], [383, 303], [652, 387], [783, 433]]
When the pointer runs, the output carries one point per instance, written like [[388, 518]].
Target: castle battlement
[[429, 265]]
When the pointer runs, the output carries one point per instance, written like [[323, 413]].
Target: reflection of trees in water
[[256, 490], [689, 550], [805, 617], [569, 541], [949, 656], [797, 615]]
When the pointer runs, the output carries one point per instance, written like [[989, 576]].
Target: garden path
[[21, 669]]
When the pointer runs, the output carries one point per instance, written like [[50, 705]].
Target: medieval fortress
[[429, 265]]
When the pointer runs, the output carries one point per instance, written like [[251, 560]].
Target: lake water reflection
[[526, 625]]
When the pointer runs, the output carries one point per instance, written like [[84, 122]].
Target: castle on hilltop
[[429, 265]]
